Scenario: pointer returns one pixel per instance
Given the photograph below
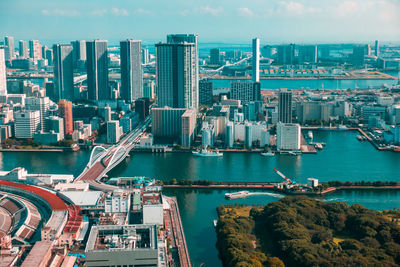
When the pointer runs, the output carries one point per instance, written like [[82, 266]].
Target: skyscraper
[[63, 72], [78, 52], [35, 51], [286, 54], [285, 106], [256, 60], [97, 70], [376, 48], [41, 104], [177, 72], [9, 42], [205, 92], [308, 54], [65, 112], [23, 49], [131, 70], [215, 56], [3, 80], [145, 56]]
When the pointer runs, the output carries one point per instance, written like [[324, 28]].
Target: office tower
[[78, 52], [44, 51], [207, 135], [288, 136], [256, 60], [142, 107], [3, 79], [264, 141], [26, 123], [97, 70], [215, 56], [23, 49], [376, 48], [229, 134], [131, 70], [9, 53], [56, 124], [107, 113], [63, 72], [248, 142], [177, 72], [41, 104], [285, 106], [308, 54], [245, 91], [358, 56], [148, 88], [114, 132], [205, 92], [267, 51], [65, 112], [286, 54], [35, 51], [145, 56], [188, 127], [49, 56]]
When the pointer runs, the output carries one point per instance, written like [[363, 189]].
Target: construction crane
[[283, 176]]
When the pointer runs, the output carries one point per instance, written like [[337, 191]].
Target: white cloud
[[184, 12], [246, 12], [119, 11], [211, 11], [347, 8], [60, 12], [98, 12], [142, 11]]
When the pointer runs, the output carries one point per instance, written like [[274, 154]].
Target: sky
[[219, 21]]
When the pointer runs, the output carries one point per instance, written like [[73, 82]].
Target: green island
[[301, 231]]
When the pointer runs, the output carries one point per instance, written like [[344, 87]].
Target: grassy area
[[237, 211]]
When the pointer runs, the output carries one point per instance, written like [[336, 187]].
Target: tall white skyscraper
[[131, 70], [256, 60], [63, 72], [3, 80], [23, 49], [177, 72], [26, 123], [40, 104], [288, 136], [9, 42]]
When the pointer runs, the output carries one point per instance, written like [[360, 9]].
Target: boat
[[240, 194], [207, 153], [294, 153], [318, 146], [360, 138], [342, 128], [396, 149], [215, 222], [310, 135], [268, 154]]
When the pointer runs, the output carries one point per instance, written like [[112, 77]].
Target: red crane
[[283, 176]]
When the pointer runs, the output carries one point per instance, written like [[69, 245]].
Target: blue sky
[[274, 21]]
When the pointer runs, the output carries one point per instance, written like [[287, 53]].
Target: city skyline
[[233, 21]]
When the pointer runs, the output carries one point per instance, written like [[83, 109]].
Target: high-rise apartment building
[[35, 50], [288, 136], [41, 104], [97, 70], [245, 91], [114, 132], [26, 123], [256, 60], [188, 127], [63, 72], [65, 112], [376, 48], [3, 79], [131, 70], [285, 106], [23, 49], [177, 72], [9, 53]]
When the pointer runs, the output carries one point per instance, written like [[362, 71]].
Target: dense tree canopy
[[300, 231]]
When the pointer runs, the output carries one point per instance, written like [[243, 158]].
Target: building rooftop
[[86, 198], [37, 254]]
